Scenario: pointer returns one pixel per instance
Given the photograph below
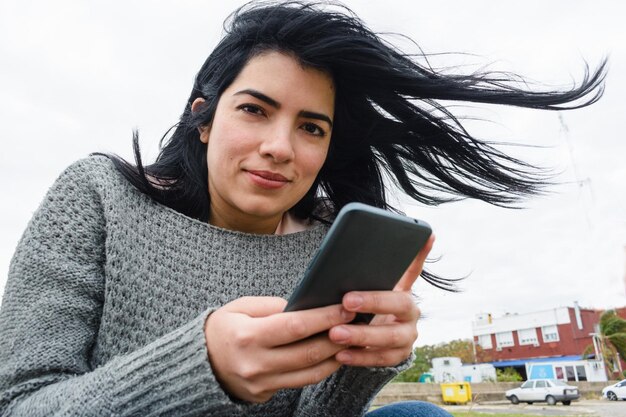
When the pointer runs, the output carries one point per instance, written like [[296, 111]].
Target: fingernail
[[354, 301], [344, 357], [340, 334], [347, 315]]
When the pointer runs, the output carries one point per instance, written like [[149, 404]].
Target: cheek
[[223, 147], [313, 160]]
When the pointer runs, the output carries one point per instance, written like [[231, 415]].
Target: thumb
[[415, 268], [257, 306]]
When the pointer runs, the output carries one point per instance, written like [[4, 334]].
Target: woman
[[159, 289]]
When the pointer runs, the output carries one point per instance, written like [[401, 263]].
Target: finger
[[398, 303], [388, 336], [373, 357], [284, 328], [256, 306], [302, 377], [302, 354], [415, 268]]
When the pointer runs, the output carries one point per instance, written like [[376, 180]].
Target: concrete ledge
[[485, 392]]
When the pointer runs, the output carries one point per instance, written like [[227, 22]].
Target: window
[[580, 372], [504, 339], [484, 341], [569, 371], [540, 384], [527, 336], [527, 384], [559, 372], [550, 333]]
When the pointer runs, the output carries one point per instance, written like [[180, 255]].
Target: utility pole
[[474, 349], [625, 269], [597, 347]]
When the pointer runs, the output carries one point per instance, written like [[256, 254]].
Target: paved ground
[[585, 408]]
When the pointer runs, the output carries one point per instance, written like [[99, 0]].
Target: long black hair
[[388, 119]]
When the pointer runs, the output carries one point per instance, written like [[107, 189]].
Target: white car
[[548, 390], [616, 391]]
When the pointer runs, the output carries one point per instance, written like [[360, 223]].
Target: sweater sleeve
[[50, 316], [348, 392]]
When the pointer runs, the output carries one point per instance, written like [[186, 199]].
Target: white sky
[[77, 77]]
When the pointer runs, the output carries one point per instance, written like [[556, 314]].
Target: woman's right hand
[[256, 349]]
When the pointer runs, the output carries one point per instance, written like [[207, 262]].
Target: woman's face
[[267, 142]]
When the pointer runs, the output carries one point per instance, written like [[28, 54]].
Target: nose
[[277, 144]]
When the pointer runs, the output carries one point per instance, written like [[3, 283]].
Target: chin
[[263, 210]]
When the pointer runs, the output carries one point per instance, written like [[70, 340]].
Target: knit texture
[[108, 292]]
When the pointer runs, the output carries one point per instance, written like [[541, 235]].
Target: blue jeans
[[409, 409]]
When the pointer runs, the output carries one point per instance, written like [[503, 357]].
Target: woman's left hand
[[389, 338]]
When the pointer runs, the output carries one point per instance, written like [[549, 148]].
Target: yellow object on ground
[[456, 392]]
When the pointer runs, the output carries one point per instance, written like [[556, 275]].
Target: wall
[[522, 321], [483, 392], [572, 340]]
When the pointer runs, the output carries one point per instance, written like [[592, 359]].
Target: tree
[[611, 340], [423, 356], [508, 375]]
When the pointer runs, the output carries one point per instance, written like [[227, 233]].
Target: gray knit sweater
[[107, 295]]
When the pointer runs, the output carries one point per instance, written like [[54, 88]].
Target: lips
[[268, 175], [267, 179]]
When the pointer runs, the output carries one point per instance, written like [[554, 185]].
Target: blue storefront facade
[[565, 368]]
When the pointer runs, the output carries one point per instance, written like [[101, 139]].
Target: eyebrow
[[303, 113]]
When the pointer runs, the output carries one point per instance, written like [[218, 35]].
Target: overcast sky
[[78, 76]]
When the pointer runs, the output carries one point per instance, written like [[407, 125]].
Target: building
[[546, 343], [451, 369]]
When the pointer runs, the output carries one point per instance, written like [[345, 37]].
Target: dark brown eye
[[251, 108], [313, 129]]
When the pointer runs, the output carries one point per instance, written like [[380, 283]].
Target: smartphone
[[366, 249]]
